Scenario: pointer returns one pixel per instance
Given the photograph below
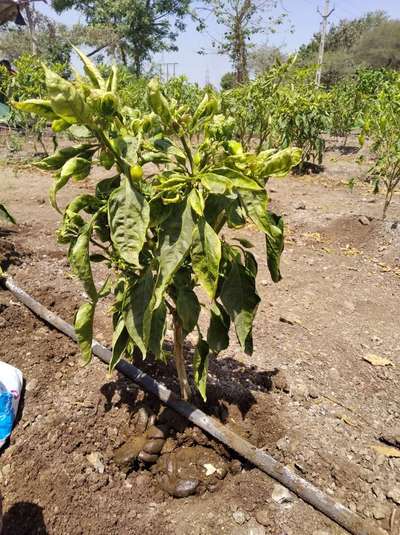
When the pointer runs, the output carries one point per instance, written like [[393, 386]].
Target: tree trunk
[[30, 17], [137, 65], [186, 392], [388, 198]]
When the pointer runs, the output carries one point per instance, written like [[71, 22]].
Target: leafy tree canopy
[[263, 57], [140, 27], [371, 41], [51, 41]]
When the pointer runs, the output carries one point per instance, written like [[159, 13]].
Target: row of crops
[[185, 163], [279, 109]]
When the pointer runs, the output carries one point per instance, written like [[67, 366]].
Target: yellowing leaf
[[377, 360]]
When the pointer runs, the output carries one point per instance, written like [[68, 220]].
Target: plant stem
[[186, 392], [188, 152]]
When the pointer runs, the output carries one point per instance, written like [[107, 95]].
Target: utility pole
[[165, 73], [324, 25]]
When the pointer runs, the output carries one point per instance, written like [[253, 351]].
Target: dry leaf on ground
[[387, 451], [377, 360]]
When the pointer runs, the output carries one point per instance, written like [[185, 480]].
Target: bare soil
[[307, 395]]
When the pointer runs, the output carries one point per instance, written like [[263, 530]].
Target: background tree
[[263, 57], [369, 41], [228, 81], [142, 27], [242, 20], [52, 41]]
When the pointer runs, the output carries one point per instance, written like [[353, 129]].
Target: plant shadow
[[8, 253], [230, 382], [24, 518]]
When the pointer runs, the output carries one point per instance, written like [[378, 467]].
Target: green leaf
[[105, 187], [251, 263], [138, 311], [240, 300], [119, 344], [200, 367], [218, 330], [217, 184], [206, 256], [158, 329], [112, 82], [91, 71], [84, 330], [244, 243], [64, 98], [59, 125], [235, 215], [58, 159], [278, 164], [58, 184], [238, 179], [275, 240], [196, 200], [157, 101], [129, 218], [255, 204], [188, 308], [79, 259], [5, 215], [175, 241], [38, 107], [77, 168], [79, 131]]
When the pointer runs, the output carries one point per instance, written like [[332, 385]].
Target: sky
[[303, 17]]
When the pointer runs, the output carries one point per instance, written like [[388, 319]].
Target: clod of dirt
[[146, 447], [280, 382], [178, 471], [125, 456], [235, 467], [394, 495], [178, 488], [263, 517]]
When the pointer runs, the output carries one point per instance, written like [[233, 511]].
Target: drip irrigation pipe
[[299, 486]]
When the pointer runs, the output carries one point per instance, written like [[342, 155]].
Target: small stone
[[235, 467], [279, 382], [263, 517], [32, 385], [239, 517], [58, 375], [364, 220], [394, 495], [281, 495], [95, 459], [379, 512], [322, 532], [283, 444], [313, 393], [300, 392], [301, 205], [252, 528]]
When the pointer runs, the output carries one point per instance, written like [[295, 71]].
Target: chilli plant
[[381, 125], [157, 221]]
